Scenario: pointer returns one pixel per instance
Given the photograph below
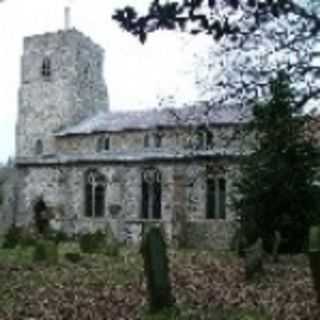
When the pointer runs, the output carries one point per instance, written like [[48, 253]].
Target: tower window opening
[[39, 147], [46, 68]]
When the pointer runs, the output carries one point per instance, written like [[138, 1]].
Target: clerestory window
[[146, 141], [157, 140], [103, 144]]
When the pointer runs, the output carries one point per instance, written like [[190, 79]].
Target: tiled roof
[[154, 118]]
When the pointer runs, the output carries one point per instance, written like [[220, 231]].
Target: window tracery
[[95, 189]]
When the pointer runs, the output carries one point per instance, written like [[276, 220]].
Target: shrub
[[45, 251], [57, 236], [27, 239], [12, 237], [112, 249], [99, 242], [92, 242], [73, 257]]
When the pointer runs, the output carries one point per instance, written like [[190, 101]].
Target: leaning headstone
[[254, 259], [239, 242], [156, 268], [314, 257], [276, 245]]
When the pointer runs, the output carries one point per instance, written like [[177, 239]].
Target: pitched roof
[[155, 118]]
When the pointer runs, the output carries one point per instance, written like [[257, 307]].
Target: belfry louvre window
[[46, 68], [95, 190], [216, 197], [151, 194]]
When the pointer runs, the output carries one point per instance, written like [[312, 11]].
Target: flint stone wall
[[74, 90], [62, 189]]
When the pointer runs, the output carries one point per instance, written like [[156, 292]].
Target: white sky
[[136, 75]]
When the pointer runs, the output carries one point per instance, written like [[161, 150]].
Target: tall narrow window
[[157, 140], [216, 198], [211, 198], [145, 199], [95, 189], [106, 144], [209, 139], [100, 142], [46, 68], [222, 198], [151, 194], [146, 141], [39, 147]]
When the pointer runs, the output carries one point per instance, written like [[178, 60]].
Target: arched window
[[39, 147], [151, 194], [216, 197], [95, 189], [46, 68]]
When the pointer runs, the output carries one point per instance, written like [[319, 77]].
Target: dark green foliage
[[73, 257], [12, 237], [45, 251], [277, 190], [92, 242], [314, 257], [154, 252], [102, 242], [27, 239], [57, 236], [112, 249]]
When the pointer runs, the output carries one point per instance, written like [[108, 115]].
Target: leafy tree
[[287, 30], [277, 184]]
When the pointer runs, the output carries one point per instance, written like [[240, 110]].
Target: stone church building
[[90, 166]]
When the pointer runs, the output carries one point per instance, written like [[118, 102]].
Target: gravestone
[[156, 268], [254, 259]]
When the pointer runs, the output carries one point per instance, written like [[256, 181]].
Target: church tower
[[61, 84]]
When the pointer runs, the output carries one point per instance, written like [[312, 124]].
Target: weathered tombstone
[[156, 268], [276, 245], [179, 234], [314, 257], [239, 242], [254, 259]]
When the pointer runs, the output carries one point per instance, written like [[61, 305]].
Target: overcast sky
[[136, 75]]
